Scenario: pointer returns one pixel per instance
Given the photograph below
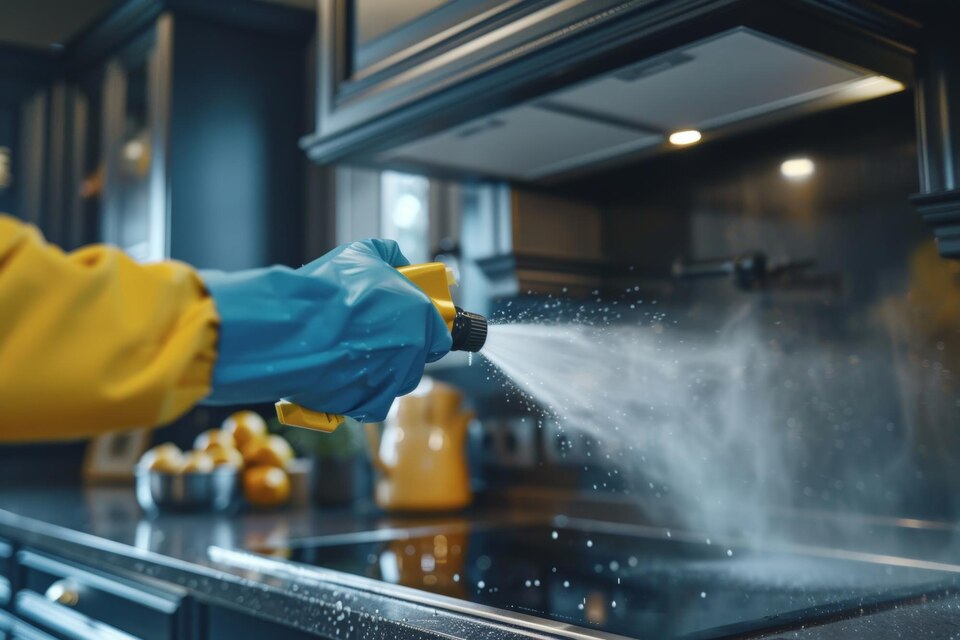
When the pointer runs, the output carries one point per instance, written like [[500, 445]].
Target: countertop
[[105, 528]]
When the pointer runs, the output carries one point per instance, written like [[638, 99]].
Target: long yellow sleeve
[[92, 341]]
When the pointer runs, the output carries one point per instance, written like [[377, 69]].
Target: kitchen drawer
[[227, 623], [12, 628], [79, 602], [6, 559]]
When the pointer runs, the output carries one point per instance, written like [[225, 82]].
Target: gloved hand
[[345, 334]]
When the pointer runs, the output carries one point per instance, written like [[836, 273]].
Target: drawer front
[[12, 628], [6, 559], [55, 592], [63, 621], [226, 623]]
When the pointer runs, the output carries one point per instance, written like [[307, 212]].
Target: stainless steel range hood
[[735, 80]]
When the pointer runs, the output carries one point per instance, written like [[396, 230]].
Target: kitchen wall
[[839, 392]]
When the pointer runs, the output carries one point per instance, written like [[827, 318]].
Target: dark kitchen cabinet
[[448, 87], [6, 573], [369, 69], [227, 623], [186, 117], [59, 599], [74, 601], [543, 91], [381, 33], [168, 127], [12, 628], [26, 96]]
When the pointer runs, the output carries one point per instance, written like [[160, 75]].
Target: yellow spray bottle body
[[469, 331]]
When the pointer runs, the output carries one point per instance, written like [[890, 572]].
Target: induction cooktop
[[660, 585]]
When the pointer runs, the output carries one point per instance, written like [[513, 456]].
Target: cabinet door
[[377, 56], [86, 162], [6, 573], [9, 121], [12, 628], [81, 603], [6, 559], [379, 30], [28, 105], [227, 623], [135, 116]]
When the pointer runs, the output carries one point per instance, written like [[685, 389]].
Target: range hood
[[734, 80]]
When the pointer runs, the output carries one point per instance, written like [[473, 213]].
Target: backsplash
[[830, 388]]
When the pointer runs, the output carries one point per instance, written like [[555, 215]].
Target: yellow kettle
[[421, 455], [433, 563]]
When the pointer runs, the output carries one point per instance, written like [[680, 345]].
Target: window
[[405, 213]]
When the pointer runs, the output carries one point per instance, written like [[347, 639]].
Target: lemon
[[271, 451], [197, 462], [212, 437], [245, 426], [224, 456], [266, 486], [164, 458]]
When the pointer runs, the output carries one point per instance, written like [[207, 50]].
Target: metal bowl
[[218, 490]]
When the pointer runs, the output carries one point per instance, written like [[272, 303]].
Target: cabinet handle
[[65, 592], [64, 622]]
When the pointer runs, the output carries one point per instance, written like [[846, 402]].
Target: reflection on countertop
[[104, 528]]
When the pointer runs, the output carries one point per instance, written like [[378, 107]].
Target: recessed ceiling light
[[685, 137], [797, 168]]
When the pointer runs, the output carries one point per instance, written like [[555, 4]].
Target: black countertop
[[105, 528]]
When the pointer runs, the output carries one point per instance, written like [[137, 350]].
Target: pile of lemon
[[241, 443]]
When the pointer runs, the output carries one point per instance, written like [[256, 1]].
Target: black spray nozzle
[[469, 331]]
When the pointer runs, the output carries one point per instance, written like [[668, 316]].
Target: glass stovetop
[[630, 585]]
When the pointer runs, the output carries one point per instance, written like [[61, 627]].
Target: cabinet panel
[[226, 623], [6, 559], [86, 158], [542, 140], [12, 628], [135, 116], [374, 18], [384, 32], [53, 588], [627, 64], [62, 620], [743, 73], [430, 54]]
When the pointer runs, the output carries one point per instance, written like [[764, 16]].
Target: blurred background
[[749, 172], [717, 241]]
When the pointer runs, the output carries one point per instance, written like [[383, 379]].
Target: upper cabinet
[[183, 125], [379, 30], [532, 90]]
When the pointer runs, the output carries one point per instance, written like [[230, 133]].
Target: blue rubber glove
[[345, 334]]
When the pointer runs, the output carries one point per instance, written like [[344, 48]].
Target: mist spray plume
[[721, 425], [689, 417]]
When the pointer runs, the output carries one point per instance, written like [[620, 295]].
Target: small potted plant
[[341, 473]]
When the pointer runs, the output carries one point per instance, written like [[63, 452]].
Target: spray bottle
[[468, 330]]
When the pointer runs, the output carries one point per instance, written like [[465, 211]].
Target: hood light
[[683, 138], [797, 168]]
